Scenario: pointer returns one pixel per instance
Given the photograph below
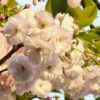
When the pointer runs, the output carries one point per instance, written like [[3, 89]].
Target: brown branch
[[3, 70], [9, 54]]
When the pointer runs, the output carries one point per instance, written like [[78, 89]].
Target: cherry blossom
[[42, 88], [52, 57], [21, 68]]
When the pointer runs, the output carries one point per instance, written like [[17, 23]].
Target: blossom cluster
[[52, 57]]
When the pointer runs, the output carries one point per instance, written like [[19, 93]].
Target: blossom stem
[[88, 55]]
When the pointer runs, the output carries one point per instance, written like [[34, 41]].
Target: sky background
[[41, 6]]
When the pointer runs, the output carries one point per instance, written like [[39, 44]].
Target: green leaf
[[98, 98], [86, 16], [48, 6], [25, 96], [76, 12], [9, 10], [88, 2], [12, 3], [91, 40], [56, 6], [67, 97]]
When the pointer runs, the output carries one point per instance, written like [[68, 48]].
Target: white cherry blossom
[[15, 29], [21, 68], [41, 88]]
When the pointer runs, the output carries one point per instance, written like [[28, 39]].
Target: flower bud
[[27, 6], [74, 3]]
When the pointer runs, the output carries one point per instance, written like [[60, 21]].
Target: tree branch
[[14, 49], [3, 70]]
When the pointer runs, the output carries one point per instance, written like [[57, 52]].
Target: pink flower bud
[[39, 0], [27, 6], [74, 3]]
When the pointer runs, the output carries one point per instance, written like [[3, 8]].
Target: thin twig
[[87, 55]]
